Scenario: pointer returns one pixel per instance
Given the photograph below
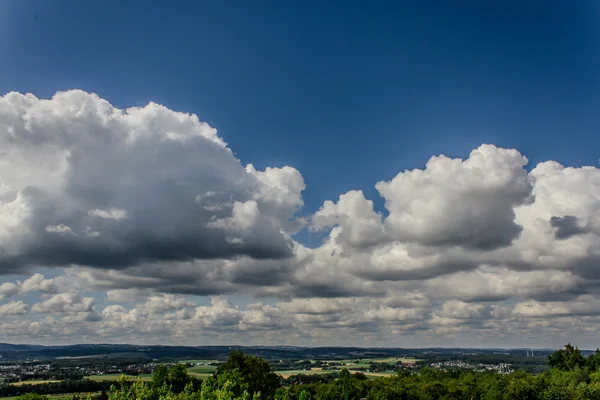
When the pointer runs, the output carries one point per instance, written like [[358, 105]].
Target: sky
[[415, 174]]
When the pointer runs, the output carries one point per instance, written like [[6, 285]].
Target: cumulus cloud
[[316, 305], [460, 310], [456, 202], [8, 289], [165, 302], [82, 182], [38, 283], [35, 283], [13, 308], [151, 207], [501, 283], [65, 303], [220, 313], [582, 305], [395, 314], [360, 224]]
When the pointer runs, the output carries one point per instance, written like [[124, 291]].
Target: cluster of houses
[[457, 364], [35, 370], [11, 372]]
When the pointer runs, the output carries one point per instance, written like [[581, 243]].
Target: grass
[[287, 374], [364, 362], [202, 369], [201, 372], [352, 365], [34, 382], [394, 359]]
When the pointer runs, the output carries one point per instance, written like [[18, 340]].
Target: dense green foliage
[[571, 377], [568, 358], [32, 396], [255, 371]]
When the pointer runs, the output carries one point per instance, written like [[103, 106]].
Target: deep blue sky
[[348, 92]]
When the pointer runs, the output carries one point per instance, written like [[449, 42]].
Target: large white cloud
[[82, 182], [467, 203]]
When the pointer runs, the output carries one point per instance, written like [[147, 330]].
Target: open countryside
[[206, 368], [569, 374]]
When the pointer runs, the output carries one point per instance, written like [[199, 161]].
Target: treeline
[[571, 377], [101, 361]]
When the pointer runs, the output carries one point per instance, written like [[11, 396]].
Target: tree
[[567, 359], [255, 371], [228, 385], [160, 375], [346, 384], [305, 395], [520, 387], [32, 396], [178, 378], [593, 361]]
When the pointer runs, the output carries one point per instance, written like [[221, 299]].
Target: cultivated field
[[352, 365], [33, 382], [287, 374], [203, 370], [366, 361]]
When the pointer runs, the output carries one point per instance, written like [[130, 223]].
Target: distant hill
[[19, 352]]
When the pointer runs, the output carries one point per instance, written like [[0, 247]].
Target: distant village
[[501, 368], [35, 370]]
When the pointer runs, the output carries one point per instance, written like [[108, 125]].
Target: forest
[[570, 376]]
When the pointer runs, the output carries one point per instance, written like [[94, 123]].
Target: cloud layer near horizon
[[143, 213]]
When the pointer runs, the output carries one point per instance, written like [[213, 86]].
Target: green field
[[366, 361], [352, 365], [287, 374], [202, 369]]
